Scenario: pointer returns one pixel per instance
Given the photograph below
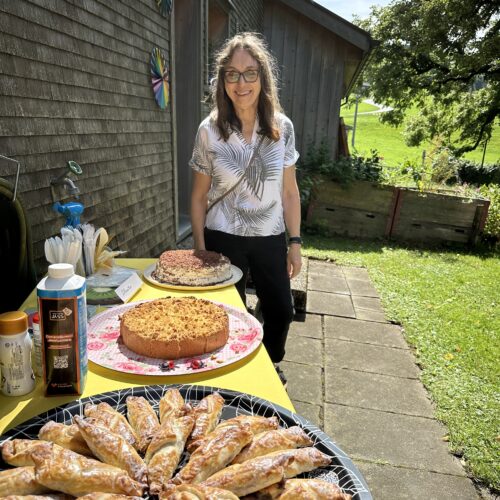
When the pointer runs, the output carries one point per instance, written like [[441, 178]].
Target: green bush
[[492, 227], [474, 173], [318, 165]]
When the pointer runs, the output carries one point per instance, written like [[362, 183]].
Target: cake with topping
[[192, 268], [173, 328]]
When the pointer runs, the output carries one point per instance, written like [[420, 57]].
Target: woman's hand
[[293, 260]]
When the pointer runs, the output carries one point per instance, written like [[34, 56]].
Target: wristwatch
[[295, 239]]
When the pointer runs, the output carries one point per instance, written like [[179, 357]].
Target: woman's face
[[243, 94]]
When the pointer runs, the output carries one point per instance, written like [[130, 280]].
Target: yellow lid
[[14, 322]]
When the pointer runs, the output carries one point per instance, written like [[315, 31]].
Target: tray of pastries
[[175, 442]]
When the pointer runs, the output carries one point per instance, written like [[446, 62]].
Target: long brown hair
[[268, 104]]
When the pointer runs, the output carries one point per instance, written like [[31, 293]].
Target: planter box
[[369, 210], [362, 210], [438, 217]]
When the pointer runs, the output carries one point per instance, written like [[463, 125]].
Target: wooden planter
[[370, 210]]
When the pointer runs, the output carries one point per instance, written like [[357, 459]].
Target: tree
[[444, 57]]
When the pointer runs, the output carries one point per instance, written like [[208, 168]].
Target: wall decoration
[[159, 77], [165, 7]]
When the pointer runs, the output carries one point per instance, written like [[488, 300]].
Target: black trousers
[[265, 258]]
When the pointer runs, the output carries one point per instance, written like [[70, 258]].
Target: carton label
[[63, 325]]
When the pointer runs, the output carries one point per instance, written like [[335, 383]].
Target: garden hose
[[21, 248]]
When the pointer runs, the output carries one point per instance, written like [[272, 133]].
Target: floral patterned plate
[[105, 347]]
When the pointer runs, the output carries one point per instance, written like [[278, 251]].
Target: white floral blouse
[[254, 207]]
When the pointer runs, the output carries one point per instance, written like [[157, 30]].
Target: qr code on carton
[[60, 362]]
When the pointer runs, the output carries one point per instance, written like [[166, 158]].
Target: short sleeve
[[201, 160], [291, 154]]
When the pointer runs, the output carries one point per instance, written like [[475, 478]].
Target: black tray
[[341, 471]]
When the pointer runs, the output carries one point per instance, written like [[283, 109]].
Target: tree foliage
[[444, 57]]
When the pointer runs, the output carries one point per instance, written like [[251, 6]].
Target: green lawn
[[389, 141], [448, 305]]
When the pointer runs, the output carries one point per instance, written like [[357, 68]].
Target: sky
[[346, 8]]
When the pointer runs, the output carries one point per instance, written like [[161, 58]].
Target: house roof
[[334, 23]]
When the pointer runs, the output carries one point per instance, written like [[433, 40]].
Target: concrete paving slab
[[361, 288], [368, 303], [333, 304], [325, 282], [309, 412], [389, 482], [368, 309], [370, 358], [359, 273], [367, 332], [304, 350], [305, 382], [375, 316], [309, 327], [403, 440], [377, 392], [322, 266]]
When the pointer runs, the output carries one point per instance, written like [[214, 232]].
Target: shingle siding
[[75, 85]]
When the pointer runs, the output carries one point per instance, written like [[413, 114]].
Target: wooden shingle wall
[[312, 60], [75, 85], [247, 15]]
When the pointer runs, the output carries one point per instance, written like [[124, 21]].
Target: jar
[[15, 354]]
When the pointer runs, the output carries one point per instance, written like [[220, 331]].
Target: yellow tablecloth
[[254, 374]]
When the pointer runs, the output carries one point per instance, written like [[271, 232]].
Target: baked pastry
[[254, 474], [173, 328], [215, 455], [45, 496], [172, 405], [108, 417], [196, 492], [301, 460], [112, 449], [64, 470], [17, 452], [192, 268], [250, 476], [108, 496], [67, 436], [22, 480], [165, 450], [257, 424], [143, 420], [206, 415], [312, 489], [275, 440]]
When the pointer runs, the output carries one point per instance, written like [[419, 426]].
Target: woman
[[244, 174]]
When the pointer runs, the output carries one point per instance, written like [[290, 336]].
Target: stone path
[[351, 372]]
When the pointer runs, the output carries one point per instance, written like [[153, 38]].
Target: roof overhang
[[332, 22]]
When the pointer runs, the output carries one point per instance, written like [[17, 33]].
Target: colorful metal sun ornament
[[159, 77], [165, 6]]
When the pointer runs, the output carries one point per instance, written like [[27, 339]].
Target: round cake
[[173, 328], [192, 268]]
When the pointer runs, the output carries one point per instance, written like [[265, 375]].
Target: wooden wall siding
[[75, 85], [311, 61], [247, 15]]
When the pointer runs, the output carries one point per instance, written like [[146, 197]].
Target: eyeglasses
[[233, 76]]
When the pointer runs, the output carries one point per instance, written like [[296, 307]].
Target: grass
[[448, 305], [389, 141]]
